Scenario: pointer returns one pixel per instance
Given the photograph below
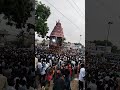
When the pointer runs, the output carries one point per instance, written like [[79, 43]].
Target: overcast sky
[[98, 14], [73, 13]]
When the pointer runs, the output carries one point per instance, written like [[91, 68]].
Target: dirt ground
[[74, 86]]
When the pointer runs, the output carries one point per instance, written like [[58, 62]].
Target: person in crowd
[[49, 77], [59, 83], [17, 65], [3, 80], [11, 85], [67, 78], [43, 74], [65, 63], [105, 74], [92, 85], [81, 77]]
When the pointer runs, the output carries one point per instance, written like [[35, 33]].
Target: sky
[[73, 21], [98, 14]]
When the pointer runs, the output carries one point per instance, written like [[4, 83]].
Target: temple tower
[[56, 37]]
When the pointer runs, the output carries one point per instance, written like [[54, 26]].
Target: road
[[74, 85]]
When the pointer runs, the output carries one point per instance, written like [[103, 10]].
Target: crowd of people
[[17, 70], [102, 74], [59, 68]]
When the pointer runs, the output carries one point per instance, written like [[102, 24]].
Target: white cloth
[[36, 62], [82, 74], [50, 61], [53, 57], [73, 62], [39, 65], [47, 65], [43, 71]]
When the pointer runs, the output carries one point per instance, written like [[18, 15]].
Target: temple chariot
[[56, 38]]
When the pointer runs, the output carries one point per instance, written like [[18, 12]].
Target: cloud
[[72, 33], [99, 13]]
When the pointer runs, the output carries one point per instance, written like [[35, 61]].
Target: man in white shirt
[[50, 61], [47, 65], [81, 77], [39, 65], [73, 62], [43, 74]]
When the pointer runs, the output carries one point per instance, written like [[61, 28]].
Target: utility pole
[[80, 38], [108, 32]]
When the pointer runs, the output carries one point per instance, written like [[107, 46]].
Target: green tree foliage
[[102, 43], [114, 48], [41, 15], [16, 12]]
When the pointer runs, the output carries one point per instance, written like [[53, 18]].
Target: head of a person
[[66, 67], [70, 65], [93, 81], [0, 69], [82, 65]]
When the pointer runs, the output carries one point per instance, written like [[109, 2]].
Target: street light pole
[[108, 32], [80, 38]]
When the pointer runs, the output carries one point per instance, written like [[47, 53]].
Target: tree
[[41, 15], [102, 43], [114, 49], [16, 12]]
